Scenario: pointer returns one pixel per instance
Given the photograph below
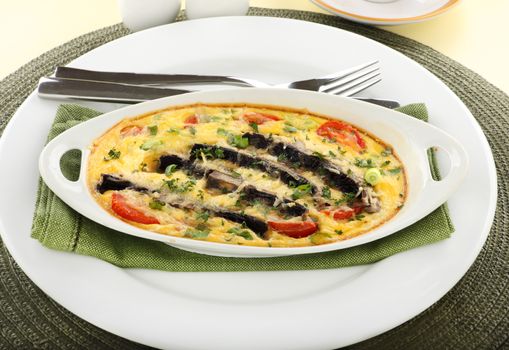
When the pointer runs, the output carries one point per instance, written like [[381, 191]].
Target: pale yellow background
[[475, 33]]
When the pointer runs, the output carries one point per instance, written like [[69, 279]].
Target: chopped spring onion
[[170, 169], [149, 144], [372, 176]]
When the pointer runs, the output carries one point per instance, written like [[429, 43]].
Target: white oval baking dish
[[409, 137]]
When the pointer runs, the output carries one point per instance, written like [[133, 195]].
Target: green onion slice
[[372, 176]]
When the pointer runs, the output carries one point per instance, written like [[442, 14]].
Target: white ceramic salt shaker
[[213, 8], [142, 14]]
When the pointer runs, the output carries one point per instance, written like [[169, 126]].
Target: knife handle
[[145, 79], [101, 91]]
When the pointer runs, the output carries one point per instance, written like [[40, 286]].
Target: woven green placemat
[[473, 315]]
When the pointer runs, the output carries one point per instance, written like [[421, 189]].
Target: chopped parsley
[[203, 216], [222, 132], [218, 153], [187, 186], [209, 152], [254, 126], [194, 233], [387, 152], [364, 163], [238, 141], [289, 128], [347, 197], [301, 191], [112, 154], [234, 140], [394, 171], [174, 185], [282, 157], [384, 164], [332, 154], [319, 155], [235, 174], [326, 193], [239, 231], [192, 130], [172, 131], [156, 204], [339, 232], [153, 130]]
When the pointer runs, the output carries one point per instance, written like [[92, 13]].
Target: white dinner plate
[[273, 310], [387, 12]]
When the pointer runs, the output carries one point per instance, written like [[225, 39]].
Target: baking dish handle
[[458, 160], [49, 164]]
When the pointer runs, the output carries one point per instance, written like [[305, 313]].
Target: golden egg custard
[[247, 175]]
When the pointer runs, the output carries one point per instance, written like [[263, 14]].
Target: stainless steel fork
[[345, 82], [72, 83]]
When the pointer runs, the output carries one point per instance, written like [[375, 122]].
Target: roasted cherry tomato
[[259, 118], [192, 119], [131, 130], [343, 133], [120, 207], [342, 214], [294, 229]]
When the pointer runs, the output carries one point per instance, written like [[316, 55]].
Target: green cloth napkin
[[57, 226]]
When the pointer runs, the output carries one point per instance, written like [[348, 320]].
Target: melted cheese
[[135, 157]]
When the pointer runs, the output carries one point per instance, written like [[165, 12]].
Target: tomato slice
[[131, 130], [120, 206], [294, 229], [192, 119], [342, 214], [343, 133], [259, 118]]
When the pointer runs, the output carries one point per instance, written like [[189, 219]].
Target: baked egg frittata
[[247, 175]]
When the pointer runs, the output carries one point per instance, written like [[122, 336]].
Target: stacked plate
[[387, 12]]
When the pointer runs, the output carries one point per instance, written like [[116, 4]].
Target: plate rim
[[440, 293], [380, 20]]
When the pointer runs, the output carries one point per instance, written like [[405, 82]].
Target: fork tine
[[358, 88], [329, 87], [343, 73], [352, 83]]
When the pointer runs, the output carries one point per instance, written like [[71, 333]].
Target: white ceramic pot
[[142, 14], [213, 8]]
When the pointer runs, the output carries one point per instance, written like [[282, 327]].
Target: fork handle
[[376, 101], [144, 79]]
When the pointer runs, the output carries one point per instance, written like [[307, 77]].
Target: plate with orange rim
[[387, 12]]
